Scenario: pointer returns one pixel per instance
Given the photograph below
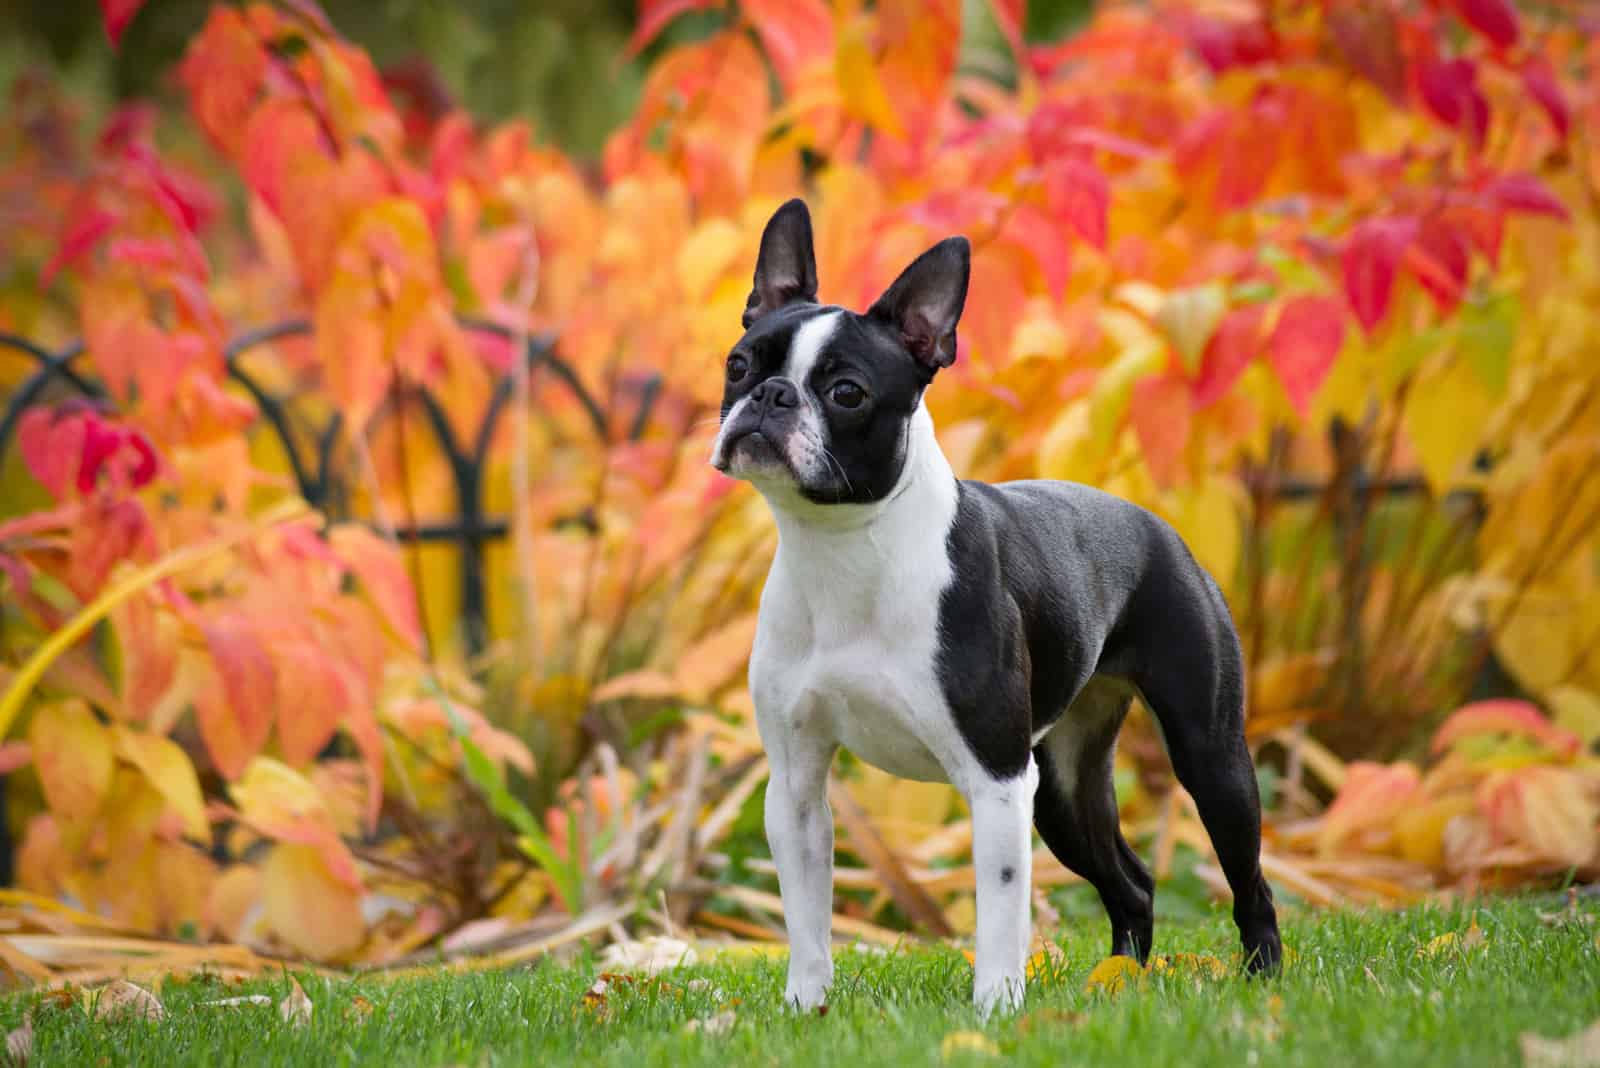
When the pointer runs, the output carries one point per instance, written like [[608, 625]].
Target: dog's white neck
[[922, 501]]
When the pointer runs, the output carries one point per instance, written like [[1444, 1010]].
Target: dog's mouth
[[751, 450]]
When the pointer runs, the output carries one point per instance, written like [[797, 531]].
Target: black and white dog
[[989, 636]]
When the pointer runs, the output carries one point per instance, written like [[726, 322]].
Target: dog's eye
[[738, 367], [848, 395]]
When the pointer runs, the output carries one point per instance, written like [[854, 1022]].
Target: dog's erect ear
[[925, 302], [786, 268]]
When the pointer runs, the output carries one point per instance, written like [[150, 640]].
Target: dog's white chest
[[847, 650]]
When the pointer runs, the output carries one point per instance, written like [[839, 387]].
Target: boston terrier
[[988, 636]]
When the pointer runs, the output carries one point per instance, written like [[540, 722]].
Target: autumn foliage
[[1204, 233]]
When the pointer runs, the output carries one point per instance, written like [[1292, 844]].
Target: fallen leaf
[[1043, 1019], [1454, 942], [1112, 974], [973, 1042], [238, 1002], [651, 956], [1044, 958], [1580, 1050], [295, 1008], [1195, 965], [19, 1043], [358, 1009], [720, 1024], [124, 999]]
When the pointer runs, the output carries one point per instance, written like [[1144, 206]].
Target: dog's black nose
[[776, 393]]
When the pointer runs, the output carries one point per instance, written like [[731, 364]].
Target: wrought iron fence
[[315, 469]]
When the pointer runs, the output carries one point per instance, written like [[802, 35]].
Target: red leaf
[[1450, 90], [1077, 191], [1439, 258], [1495, 19], [1367, 37], [236, 727], [81, 236], [1305, 344], [1370, 259], [1527, 194], [1539, 78], [1030, 228], [794, 33], [654, 16], [1235, 343], [117, 14], [1227, 43], [1517, 718], [1160, 410]]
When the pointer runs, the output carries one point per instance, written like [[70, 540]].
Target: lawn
[[1362, 989]]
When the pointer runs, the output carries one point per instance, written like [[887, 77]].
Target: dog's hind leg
[[1196, 690], [1075, 810]]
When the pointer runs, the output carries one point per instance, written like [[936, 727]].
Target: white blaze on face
[[805, 447]]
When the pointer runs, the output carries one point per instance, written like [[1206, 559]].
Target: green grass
[[1357, 993]]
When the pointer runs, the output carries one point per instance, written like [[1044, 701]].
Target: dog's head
[[818, 400]]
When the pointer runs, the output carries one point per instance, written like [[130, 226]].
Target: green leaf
[[1485, 334]]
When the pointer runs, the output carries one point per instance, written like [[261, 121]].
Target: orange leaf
[[382, 574], [1373, 795], [72, 754], [312, 699], [1160, 412], [279, 802], [236, 710], [713, 661], [642, 684], [1516, 718]]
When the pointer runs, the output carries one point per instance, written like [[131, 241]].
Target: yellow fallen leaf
[[1112, 974], [973, 1042], [1199, 966], [1044, 958], [123, 999], [295, 1008], [1454, 942]]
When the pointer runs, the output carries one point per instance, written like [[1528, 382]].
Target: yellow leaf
[[307, 907], [974, 1043], [857, 75], [1206, 513], [1068, 451], [1445, 422], [167, 767], [1194, 965], [1419, 829], [1190, 316], [1113, 974], [1576, 710], [72, 753], [1452, 942], [708, 254]]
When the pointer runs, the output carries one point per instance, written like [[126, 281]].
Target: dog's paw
[[1002, 996], [808, 987], [805, 997]]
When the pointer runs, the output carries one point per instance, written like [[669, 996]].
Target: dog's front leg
[[1002, 858], [800, 834]]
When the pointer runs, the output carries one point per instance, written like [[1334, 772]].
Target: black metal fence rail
[[315, 468]]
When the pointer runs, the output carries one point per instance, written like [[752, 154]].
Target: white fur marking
[[846, 653], [807, 345]]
